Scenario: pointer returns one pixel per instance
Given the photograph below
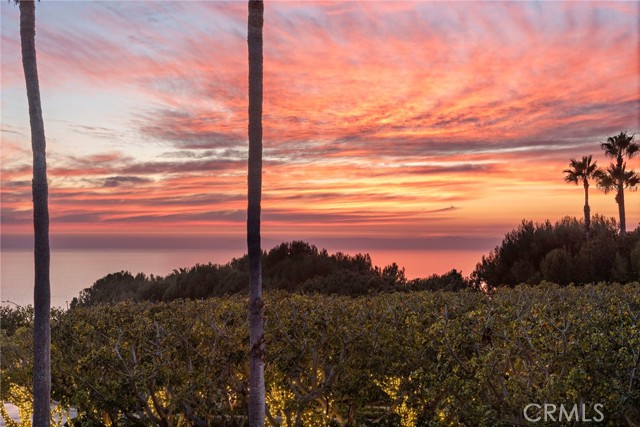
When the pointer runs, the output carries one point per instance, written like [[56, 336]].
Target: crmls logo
[[550, 412]]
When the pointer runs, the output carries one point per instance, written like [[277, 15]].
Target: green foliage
[[561, 253], [634, 258], [557, 266], [394, 359], [295, 267], [451, 281], [12, 319]]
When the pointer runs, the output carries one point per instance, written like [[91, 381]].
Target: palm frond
[[605, 181], [616, 177], [570, 176], [580, 170], [620, 146], [609, 149], [631, 180]]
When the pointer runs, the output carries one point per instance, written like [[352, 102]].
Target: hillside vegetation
[[293, 267], [562, 253]]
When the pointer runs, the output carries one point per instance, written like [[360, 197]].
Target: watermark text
[[546, 412]]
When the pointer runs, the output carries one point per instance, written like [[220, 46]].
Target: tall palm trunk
[[620, 201], [587, 209], [620, 197], [256, 305], [42, 292]]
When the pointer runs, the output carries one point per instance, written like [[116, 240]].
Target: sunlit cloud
[[387, 121]]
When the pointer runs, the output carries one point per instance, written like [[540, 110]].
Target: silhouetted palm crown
[[616, 176], [620, 146], [581, 170], [613, 176]]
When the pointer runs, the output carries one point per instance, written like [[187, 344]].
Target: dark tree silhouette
[[581, 171], [256, 305], [616, 177], [42, 291]]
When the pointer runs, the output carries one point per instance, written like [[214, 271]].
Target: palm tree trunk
[[42, 292], [620, 200], [587, 209], [620, 197], [256, 305]]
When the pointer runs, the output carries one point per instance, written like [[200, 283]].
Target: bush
[[410, 359], [295, 267], [451, 281], [561, 253], [557, 266]]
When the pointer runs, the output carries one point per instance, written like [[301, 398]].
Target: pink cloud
[[380, 113]]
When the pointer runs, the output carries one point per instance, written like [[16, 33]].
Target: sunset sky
[[418, 125]]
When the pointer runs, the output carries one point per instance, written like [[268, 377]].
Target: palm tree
[[619, 147], [42, 291], [618, 179], [256, 305], [581, 171]]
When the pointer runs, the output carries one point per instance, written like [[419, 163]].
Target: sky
[[390, 125]]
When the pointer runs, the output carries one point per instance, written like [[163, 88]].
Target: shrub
[[402, 359], [535, 252], [295, 267], [557, 266]]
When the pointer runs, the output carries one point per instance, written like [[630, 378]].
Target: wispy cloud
[[388, 119]]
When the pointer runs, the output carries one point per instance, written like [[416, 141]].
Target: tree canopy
[[295, 266], [561, 253]]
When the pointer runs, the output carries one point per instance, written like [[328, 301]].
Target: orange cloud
[[381, 119]]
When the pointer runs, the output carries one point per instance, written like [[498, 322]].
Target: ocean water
[[74, 270]]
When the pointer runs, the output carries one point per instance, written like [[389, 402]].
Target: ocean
[[74, 270]]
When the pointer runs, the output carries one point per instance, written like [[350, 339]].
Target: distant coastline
[[75, 269]]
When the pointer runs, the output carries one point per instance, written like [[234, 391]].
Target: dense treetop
[[562, 253]]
